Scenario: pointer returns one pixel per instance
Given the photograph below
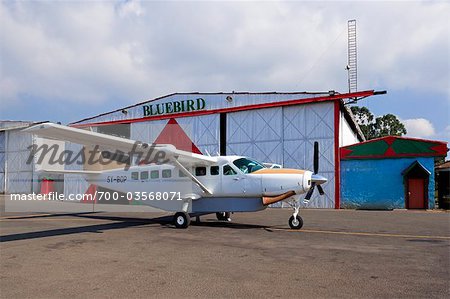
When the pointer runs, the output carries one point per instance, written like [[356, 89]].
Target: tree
[[365, 120], [389, 125], [381, 126]]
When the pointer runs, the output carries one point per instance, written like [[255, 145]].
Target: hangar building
[[271, 127]]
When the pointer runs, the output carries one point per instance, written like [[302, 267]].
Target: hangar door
[[203, 131], [257, 134], [286, 135], [302, 126]]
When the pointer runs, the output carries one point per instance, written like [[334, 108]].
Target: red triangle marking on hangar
[[174, 134]]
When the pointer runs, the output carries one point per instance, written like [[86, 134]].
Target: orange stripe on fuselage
[[279, 171]]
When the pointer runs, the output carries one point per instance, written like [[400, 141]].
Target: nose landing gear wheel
[[296, 223], [182, 220]]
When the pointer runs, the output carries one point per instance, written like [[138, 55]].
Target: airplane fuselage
[[166, 177]]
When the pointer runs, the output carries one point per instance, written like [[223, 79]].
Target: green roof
[[394, 147]]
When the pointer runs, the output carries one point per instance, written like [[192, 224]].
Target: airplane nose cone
[[318, 179]]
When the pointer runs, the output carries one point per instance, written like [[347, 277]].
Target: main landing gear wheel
[[182, 220], [296, 222], [223, 216]]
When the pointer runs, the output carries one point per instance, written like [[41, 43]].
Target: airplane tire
[[296, 223], [223, 216], [182, 220]]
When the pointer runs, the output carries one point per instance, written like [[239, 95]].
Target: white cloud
[[127, 51], [130, 7], [444, 134], [419, 127]]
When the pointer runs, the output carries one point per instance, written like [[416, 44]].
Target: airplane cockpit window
[[214, 170], [181, 174], [166, 173], [200, 171], [154, 174], [247, 165], [228, 170]]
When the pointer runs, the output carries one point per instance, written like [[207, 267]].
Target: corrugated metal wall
[[74, 183], [286, 136], [147, 131], [19, 176], [2, 162]]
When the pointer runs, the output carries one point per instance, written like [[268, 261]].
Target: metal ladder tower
[[352, 69]]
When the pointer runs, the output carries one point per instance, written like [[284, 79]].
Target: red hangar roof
[[394, 147]]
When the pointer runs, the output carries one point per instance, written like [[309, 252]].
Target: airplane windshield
[[247, 166]]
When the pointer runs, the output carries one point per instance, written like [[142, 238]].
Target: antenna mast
[[352, 69]]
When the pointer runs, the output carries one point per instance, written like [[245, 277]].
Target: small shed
[[443, 180], [390, 173]]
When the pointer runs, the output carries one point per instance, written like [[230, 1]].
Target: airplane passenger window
[[200, 171], [166, 173], [214, 170], [144, 175], [227, 170], [135, 175], [154, 174]]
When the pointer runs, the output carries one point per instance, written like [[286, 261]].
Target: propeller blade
[[320, 190], [310, 192], [316, 157]]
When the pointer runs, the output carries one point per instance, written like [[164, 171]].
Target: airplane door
[[233, 184]]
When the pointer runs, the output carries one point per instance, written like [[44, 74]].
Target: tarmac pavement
[[338, 253]]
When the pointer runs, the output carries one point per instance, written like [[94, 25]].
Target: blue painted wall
[[378, 183]]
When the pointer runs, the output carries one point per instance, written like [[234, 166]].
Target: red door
[[416, 194]]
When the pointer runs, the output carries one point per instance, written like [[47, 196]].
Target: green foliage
[[385, 125]]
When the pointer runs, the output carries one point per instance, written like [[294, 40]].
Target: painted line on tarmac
[[362, 234]]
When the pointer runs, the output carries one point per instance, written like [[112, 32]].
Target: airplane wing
[[114, 143]]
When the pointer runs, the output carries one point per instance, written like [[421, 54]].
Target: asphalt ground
[[338, 254]]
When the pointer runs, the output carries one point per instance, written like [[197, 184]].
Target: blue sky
[[64, 61]]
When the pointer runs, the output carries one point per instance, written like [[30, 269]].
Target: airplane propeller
[[316, 180]]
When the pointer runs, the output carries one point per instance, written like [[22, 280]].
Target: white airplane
[[192, 184]]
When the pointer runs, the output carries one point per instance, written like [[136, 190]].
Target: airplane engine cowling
[[279, 181]]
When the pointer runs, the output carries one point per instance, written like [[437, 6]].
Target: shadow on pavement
[[119, 222]]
